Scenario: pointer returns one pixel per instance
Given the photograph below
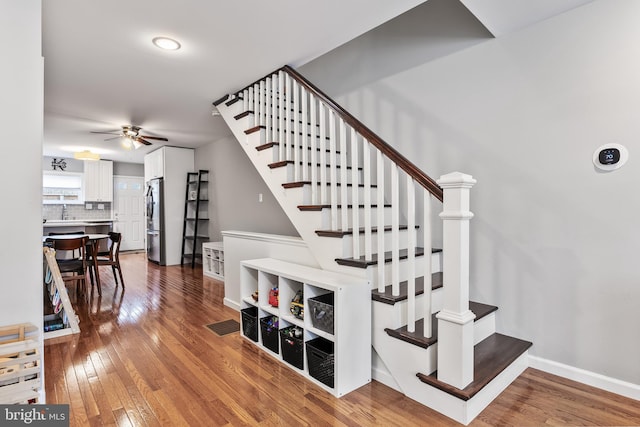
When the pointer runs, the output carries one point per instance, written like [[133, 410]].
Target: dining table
[[94, 244]]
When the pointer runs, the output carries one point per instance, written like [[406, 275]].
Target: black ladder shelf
[[194, 220]]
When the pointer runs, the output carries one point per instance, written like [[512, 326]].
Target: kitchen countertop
[[76, 222]]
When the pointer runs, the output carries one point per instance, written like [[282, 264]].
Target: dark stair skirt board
[[491, 357]]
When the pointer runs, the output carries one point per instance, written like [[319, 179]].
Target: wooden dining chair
[[112, 257], [68, 233], [74, 269]]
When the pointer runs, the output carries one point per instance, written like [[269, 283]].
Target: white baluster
[[287, 107], [344, 191], [333, 174], [305, 134], [256, 103], [428, 285], [245, 100], [366, 171], [395, 231], [380, 219], [455, 320], [281, 116], [322, 144], [354, 191], [251, 106], [267, 109], [261, 103], [314, 146], [297, 138], [274, 107], [411, 254]]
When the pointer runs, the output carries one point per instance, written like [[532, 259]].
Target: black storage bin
[[250, 323], [321, 312], [291, 346], [320, 360], [269, 329]]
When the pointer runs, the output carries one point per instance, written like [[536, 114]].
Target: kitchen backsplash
[[54, 212]]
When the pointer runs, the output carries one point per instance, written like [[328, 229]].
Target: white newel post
[[455, 320]]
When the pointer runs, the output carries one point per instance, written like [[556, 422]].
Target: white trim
[[262, 237], [231, 304], [613, 385]]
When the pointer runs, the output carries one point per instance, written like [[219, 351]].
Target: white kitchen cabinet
[[348, 337], [98, 181], [154, 164]]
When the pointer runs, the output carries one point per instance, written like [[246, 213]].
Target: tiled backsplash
[[54, 212]]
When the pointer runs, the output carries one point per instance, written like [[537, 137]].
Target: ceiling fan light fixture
[[126, 143], [86, 155], [166, 43]]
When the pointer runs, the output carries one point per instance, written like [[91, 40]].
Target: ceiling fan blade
[[153, 137], [115, 137], [143, 141], [114, 132]]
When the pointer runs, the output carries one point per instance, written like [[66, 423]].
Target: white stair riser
[[436, 266], [302, 176], [306, 196], [344, 245]]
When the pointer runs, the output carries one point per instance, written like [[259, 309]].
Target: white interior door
[[128, 211]]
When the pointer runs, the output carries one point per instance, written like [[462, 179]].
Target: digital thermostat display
[[610, 157]]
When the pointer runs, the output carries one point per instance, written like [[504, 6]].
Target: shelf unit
[[62, 319], [213, 260], [20, 364], [195, 216], [351, 315]]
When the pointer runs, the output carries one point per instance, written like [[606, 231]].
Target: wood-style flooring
[[145, 357]]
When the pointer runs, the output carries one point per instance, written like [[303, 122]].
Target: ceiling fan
[[131, 137]]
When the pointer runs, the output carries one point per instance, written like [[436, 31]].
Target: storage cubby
[[213, 260], [335, 352]]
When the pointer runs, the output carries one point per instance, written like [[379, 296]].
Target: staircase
[[365, 210]]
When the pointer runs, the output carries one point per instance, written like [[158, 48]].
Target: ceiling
[[102, 70]]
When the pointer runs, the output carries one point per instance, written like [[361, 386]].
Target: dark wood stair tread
[[220, 100], [361, 262], [417, 337], [490, 358], [284, 163], [275, 143], [320, 207], [348, 232], [260, 127], [387, 296], [297, 184]]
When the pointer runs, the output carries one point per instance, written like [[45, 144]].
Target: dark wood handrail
[[412, 170]]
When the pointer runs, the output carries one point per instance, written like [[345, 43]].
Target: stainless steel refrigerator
[[156, 250]]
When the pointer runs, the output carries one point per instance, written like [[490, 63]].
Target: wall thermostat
[[610, 157]]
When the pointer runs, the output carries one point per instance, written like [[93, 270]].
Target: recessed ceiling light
[[166, 43]]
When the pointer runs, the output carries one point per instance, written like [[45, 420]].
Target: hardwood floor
[[145, 357]]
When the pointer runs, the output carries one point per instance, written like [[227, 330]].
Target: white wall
[[21, 86], [233, 193], [554, 243]]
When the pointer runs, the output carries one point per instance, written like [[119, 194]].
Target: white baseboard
[[231, 304], [593, 379]]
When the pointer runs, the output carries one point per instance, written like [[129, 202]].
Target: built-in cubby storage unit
[[345, 362], [213, 260]]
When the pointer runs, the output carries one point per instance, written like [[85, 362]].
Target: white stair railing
[[344, 163]]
